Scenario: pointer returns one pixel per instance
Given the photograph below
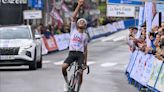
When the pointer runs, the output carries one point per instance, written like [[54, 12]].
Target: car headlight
[[23, 49], [26, 47]]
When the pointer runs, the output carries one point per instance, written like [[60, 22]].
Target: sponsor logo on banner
[[160, 82], [155, 71], [147, 69], [50, 43], [120, 11], [62, 41], [32, 14]]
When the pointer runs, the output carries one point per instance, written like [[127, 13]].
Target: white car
[[19, 46]]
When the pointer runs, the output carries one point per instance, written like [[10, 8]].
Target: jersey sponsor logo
[[76, 38]]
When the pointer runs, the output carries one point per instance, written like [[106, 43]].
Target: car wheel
[[39, 64], [33, 64]]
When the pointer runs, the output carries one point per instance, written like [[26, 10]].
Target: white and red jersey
[[77, 40]]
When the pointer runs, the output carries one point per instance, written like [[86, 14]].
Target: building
[[11, 11]]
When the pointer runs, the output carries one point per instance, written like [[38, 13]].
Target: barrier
[[110, 28], [62, 41], [50, 43], [144, 70], [44, 49]]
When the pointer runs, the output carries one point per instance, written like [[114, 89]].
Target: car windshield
[[15, 33]]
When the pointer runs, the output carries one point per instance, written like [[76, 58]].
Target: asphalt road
[[107, 57]]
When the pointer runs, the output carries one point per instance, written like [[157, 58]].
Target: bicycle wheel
[[72, 84], [77, 85]]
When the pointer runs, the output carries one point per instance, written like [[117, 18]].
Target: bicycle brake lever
[[88, 70]]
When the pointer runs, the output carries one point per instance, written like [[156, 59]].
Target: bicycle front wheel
[[77, 84], [72, 84]]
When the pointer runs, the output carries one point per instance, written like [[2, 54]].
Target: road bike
[[73, 85]]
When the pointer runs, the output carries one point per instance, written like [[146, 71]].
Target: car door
[[38, 44]]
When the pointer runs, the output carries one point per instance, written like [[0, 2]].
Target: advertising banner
[[149, 17], [62, 41], [50, 44], [160, 82], [36, 3], [120, 11], [155, 71], [56, 15], [135, 71], [160, 7], [132, 61], [141, 21], [44, 49], [147, 70], [130, 2], [32, 14]]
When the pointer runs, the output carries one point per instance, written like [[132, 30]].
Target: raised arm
[[80, 3]]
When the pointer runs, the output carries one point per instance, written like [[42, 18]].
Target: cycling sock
[[78, 87], [66, 79]]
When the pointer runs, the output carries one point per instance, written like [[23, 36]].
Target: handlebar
[[70, 67], [88, 69]]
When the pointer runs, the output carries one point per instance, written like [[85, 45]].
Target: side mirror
[[38, 36]]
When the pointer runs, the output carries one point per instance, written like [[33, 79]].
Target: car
[[19, 46]]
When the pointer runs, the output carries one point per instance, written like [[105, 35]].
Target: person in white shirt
[[77, 46]]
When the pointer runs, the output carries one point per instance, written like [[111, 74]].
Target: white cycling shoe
[[65, 87]]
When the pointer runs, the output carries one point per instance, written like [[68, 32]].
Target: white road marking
[[108, 64], [46, 61], [125, 66], [59, 62], [119, 38], [90, 62], [107, 39]]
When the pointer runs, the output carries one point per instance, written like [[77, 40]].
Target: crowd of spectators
[[52, 29], [156, 38], [60, 28]]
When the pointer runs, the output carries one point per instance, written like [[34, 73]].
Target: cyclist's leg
[[64, 71], [66, 64], [80, 62]]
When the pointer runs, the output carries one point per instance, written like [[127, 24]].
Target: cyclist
[[77, 46]]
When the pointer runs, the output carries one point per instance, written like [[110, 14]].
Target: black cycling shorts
[[75, 56]]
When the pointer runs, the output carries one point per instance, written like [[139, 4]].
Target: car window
[[15, 33]]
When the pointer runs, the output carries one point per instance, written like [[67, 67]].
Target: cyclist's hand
[[85, 67], [80, 2]]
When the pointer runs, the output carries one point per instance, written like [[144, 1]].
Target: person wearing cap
[[77, 46]]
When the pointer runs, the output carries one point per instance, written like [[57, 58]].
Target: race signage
[[160, 7], [13, 2], [120, 11], [129, 2], [32, 14]]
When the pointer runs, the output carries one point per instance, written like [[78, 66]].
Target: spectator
[[155, 30], [152, 39], [160, 51]]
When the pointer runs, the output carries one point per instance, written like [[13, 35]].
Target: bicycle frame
[[74, 79]]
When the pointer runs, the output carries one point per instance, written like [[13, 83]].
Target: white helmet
[[82, 19]]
